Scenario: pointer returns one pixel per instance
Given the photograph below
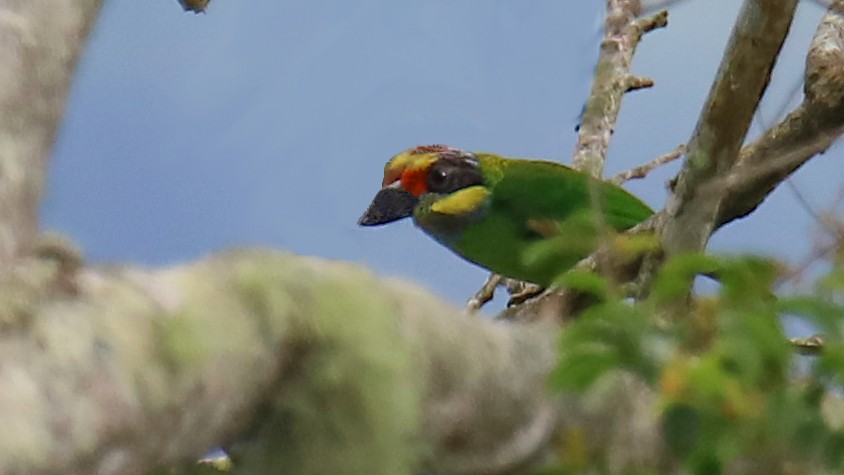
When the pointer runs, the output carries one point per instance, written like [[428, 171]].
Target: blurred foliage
[[732, 388]]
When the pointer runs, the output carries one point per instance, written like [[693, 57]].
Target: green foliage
[[729, 386], [567, 241], [608, 336]]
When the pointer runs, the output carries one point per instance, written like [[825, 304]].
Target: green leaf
[[681, 429], [585, 281], [748, 281], [574, 239], [579, 367], [676, 277], [826, 314]]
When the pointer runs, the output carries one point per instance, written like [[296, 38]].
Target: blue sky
[[267, 123]]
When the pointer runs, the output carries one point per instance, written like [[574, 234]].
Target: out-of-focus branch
[[612, 78], [742, 78], [293, 363], [810, 129], [196, 6], [40, 43], [810, 346]]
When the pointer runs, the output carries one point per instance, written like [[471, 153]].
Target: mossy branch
[[291, 363]]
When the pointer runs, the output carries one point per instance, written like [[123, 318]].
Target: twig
[[643, 170], [804, 203], [811, 346], [484, 294], [622, 33], [634, 83], [795, 272]]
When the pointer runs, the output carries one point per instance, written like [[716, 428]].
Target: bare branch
[[485, 294], [634, 83], [622, 33], [713, 149], [808, 130], [811, 346], [643, 170]]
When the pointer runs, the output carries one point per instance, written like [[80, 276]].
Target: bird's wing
[[537, 193]]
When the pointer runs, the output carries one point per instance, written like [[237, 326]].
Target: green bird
[[529, 220]]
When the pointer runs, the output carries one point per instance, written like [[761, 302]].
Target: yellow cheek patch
[[464, 201]]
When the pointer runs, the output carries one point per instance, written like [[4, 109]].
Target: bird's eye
[[437, 179], [448, 176]]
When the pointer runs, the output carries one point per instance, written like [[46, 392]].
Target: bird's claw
[[521, 291]]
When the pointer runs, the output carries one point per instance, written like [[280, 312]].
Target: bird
[[529, 220]]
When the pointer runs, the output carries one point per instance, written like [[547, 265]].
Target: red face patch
[[415, 181]]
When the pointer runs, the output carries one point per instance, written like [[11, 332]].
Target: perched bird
[[526, 219]]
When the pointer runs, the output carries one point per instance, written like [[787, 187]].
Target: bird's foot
[[521, 291]]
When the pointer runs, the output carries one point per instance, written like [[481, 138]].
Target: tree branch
[[40, 43], [622, 32], [690, 216], [642, 170], [744, 74], [810, 129], [290, 362], [301, 364]]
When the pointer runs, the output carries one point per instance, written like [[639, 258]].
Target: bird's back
[[531, 201]]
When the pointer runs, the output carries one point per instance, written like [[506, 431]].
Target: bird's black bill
[[390, 204]]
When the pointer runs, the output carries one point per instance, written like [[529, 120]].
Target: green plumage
[[535, 223], [526, 219]]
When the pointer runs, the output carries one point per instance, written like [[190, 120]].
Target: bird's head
[[417, 172]]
